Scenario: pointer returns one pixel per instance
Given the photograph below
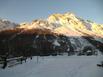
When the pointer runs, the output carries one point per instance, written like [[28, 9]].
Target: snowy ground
[[57, 66]]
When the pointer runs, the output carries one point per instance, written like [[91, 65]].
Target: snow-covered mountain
[[6, 24], [76, 24], [62, 32], [71, 25]]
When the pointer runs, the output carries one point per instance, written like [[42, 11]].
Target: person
[[31, 57], [25, 59], [21, 60], [4, 61]]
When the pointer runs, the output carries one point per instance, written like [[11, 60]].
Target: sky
[[28, 10]]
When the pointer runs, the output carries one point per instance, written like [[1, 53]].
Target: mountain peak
[[66, 24]]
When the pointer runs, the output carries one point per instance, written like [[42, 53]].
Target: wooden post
[[37, 59]]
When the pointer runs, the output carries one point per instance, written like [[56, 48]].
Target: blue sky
[[28, 10]]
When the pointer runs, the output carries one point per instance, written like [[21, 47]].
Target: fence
[[4, 62]]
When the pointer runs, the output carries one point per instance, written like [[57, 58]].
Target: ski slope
[[56, 66]]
